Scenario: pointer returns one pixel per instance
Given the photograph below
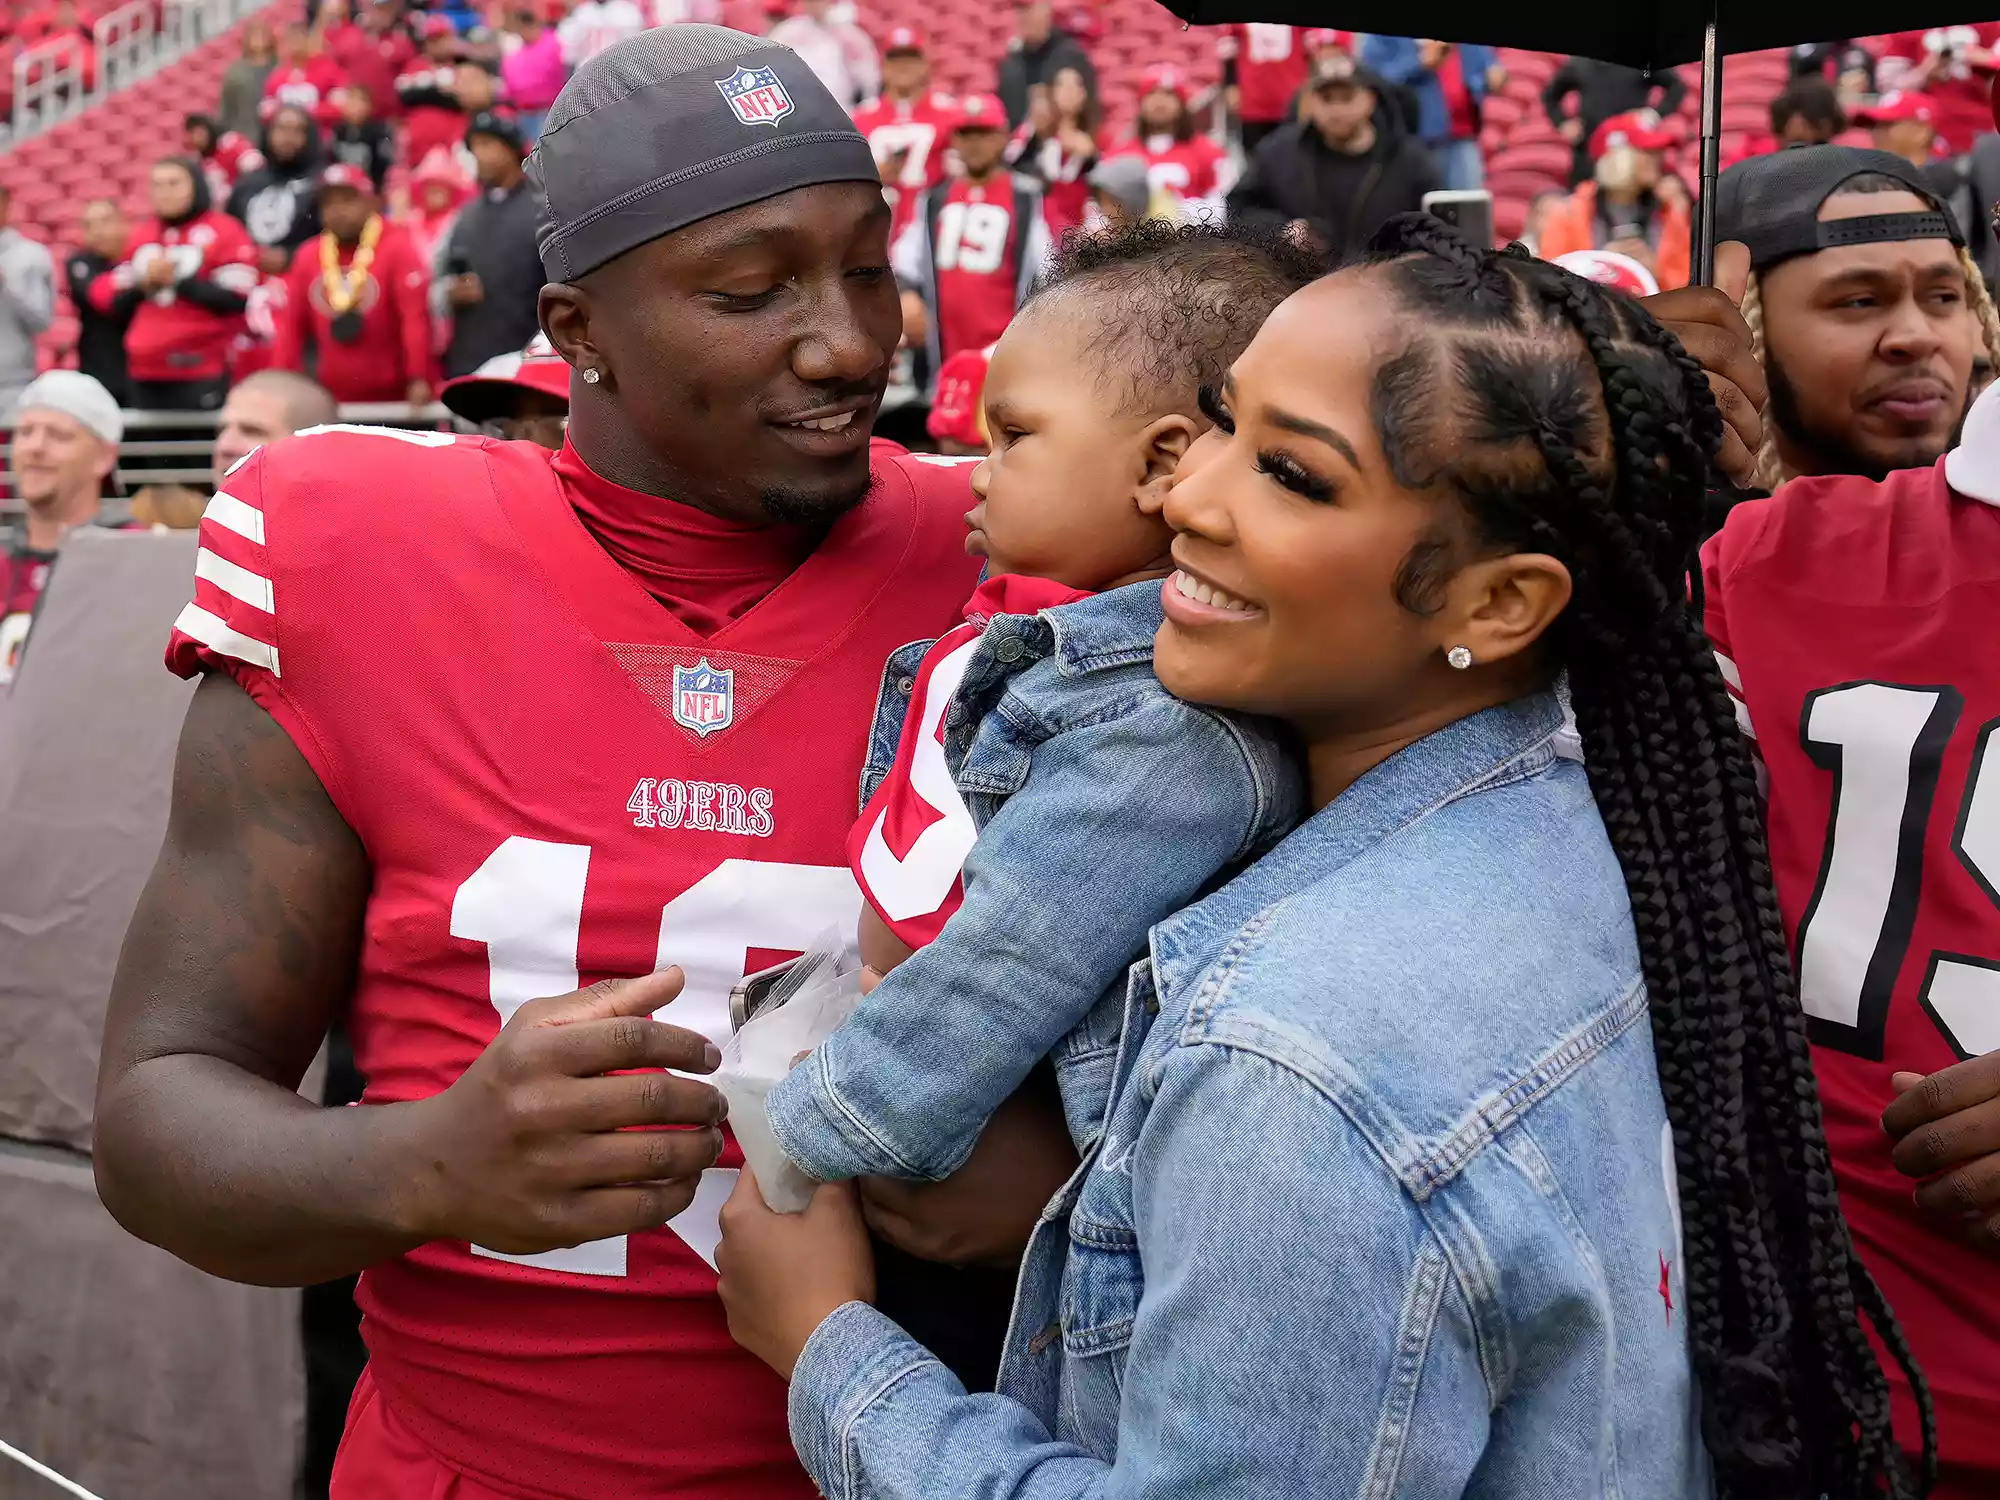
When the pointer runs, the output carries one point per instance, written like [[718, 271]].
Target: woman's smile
[[1190, 599]]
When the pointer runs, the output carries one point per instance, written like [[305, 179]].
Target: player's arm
[[242, 951]]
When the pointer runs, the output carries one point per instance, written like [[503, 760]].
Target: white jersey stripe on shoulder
[[238, 582], [1742, 716], [1729, 673], [218, 635], [245, 520]]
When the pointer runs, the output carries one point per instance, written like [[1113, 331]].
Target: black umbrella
[[1638, 33]]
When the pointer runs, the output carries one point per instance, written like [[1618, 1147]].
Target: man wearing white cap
[[65, 447]]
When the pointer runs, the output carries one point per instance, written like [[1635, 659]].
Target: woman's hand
[[984, 1212], [782, 1274]]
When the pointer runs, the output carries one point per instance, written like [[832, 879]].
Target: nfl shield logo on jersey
[[704, 698], [756, 95]]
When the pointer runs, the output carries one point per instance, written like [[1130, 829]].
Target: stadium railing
[[131, 42], [178, 447]]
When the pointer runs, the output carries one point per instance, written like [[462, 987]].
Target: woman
[[1059, 144], [184, 285], [243, 80], [1386, 1200]]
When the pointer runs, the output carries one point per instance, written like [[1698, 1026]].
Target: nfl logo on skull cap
[[756, 95], [704, 697]]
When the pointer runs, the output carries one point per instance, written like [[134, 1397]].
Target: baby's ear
[[1163, 445]]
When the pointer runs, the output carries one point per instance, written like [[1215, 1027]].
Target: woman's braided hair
[[1565, 421]]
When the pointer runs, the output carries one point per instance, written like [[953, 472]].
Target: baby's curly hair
[[1169, 307]]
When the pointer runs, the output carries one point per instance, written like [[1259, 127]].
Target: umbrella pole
[[1711, 150]]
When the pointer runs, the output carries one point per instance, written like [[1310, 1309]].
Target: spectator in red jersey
[[1340, 173], [361, 140], [432, 115], [1955, 66], [357, 303], [64, 451], [1903, 124], [1036, 53], [1622, 208], [534, 72], [838, 51], [243, 80], [224, 155], [1185, 168], [973, 251], [1060, 146], [186, 281], [305, 78], [908, 126], [275, 202], [1450, 81], [1263, 69], [373, 53], [515, 398]]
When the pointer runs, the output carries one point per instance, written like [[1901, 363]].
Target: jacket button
[[905, 685], [1010, 649]]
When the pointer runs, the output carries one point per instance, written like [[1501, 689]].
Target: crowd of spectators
[[353, 205]]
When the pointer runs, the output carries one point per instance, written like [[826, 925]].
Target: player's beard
[[1826, 452], [815, 508]]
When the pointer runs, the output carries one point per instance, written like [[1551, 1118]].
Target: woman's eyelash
[[1294, 476], [1209, 400]]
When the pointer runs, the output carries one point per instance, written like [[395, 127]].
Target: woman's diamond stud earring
[[1459, 656]]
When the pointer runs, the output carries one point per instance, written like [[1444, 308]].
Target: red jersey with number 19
[[1854, 622], [555, 781]]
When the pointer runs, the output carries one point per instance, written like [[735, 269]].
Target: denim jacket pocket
[[892, 706], [1101, 1285]]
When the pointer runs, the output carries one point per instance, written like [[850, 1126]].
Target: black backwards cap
[[678, 124], [1772, 203]]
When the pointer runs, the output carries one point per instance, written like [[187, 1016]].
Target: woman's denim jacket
[[1383, 1205], [1104, 804]]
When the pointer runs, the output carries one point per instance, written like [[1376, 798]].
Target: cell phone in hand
[[1469, 211], [756, 993]]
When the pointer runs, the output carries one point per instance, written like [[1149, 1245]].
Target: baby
[[1048, 801]]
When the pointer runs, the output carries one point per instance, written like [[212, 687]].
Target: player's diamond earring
[[1459, 656], [591, 377]]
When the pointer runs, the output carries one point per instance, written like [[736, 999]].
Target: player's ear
[[565, 317], [1161, 446]]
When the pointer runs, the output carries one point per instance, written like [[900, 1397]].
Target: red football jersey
[[1192, 172], [557, 781], [310, 87], [977, 268], [1854, 622], [1957, 88], [171, 338], [919, 128], [393, 345], [1270, 69], [908, 849]]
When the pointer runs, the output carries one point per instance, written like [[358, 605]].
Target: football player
[[483, 724]]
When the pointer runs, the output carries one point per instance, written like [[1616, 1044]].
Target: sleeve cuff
[[852, 1361], [812, 1127]]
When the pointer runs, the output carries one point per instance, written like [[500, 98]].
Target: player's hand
[[531, 1150], [782, 1274], [984, 1212], [1706, 321], [1947, 1132]]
